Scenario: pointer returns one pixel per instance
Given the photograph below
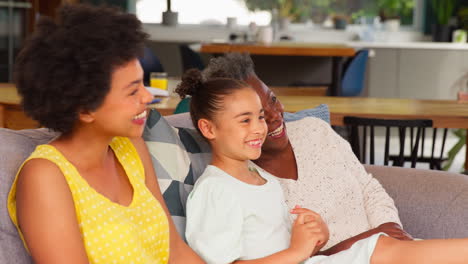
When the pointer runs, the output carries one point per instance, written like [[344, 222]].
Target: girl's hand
[[304, 237], [321, 228]]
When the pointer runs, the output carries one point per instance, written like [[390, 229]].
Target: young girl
[[236, 212], [90, 195]]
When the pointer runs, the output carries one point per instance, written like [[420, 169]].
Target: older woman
[[316, 167]]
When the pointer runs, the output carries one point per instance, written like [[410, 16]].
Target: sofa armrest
[[431, 204]]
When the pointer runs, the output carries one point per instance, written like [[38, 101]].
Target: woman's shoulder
[[43, 165], [308, 120], [37, 173], [42, 161], [40, 169], [308, 125]]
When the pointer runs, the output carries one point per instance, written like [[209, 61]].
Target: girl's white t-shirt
[[230, 220]]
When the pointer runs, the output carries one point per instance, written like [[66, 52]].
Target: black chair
[[190, 59], [434, 162], [416, 144], [150, 63]]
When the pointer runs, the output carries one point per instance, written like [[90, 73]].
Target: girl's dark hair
[[67, 65], [206, 96]]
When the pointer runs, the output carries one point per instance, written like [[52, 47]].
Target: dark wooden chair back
[[358, 129]]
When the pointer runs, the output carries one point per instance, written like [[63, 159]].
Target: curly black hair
[[206, 95], [66, 66], [234, 65]]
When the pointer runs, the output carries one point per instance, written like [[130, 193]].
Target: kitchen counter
[[410, 45]]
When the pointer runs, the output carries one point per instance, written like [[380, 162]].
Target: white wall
[[417, 73]]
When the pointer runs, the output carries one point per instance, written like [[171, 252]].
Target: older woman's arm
[[392, 229], [379, 206]]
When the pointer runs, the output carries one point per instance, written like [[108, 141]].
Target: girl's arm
[[46, 215], [180, 252]]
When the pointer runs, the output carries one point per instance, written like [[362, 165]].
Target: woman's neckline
[[86, 183]]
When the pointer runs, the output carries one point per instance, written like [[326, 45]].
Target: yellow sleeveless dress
[[112, 233]]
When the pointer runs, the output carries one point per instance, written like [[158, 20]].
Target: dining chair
[[352, 78], [150, 63], [358, 129], [190, 58], [352, 83], [183, 106]]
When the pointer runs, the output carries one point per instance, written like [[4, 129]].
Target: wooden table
[[336, 51], [11, 113], [443, 113], [13, 117]]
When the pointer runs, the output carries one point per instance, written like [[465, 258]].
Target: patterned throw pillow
[[179, 157], [320, 111]]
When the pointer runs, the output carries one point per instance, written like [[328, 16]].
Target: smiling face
[[123, 112], [239, 129], [277, 138]]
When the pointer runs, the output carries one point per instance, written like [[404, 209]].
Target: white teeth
[[254, 142], [276, 131], [139, 116]]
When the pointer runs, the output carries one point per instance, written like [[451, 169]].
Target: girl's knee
[[384, 250]]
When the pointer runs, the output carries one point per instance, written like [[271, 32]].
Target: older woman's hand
[[393, 230]]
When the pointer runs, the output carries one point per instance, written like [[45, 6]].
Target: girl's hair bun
[[191, 83]]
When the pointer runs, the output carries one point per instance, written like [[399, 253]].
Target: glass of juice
[[158, 80]]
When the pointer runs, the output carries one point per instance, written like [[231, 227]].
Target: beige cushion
[[431, 204], [16, 146]]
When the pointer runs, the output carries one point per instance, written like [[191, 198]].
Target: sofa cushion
[[16, 146], [431, 204], [179, 157]]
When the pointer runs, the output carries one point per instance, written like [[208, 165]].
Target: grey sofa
[[432, 204]]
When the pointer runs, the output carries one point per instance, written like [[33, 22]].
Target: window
[[351, 10], [201, 12]]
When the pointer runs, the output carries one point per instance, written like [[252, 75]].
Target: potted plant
[[460, 134], [169, 18], [391, 11], [443, 11], [463, 17], [340, 21], [462, 96]]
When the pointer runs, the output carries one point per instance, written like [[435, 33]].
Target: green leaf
[[452, 153]]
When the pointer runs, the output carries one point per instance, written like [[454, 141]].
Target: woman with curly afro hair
[[90, 195]]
